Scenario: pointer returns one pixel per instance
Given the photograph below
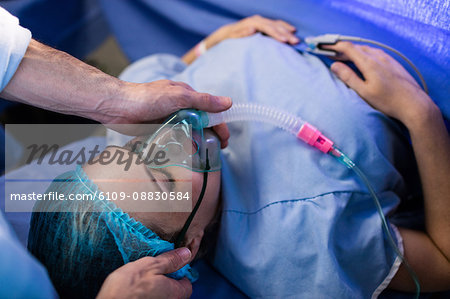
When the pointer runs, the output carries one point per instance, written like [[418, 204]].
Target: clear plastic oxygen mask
[[188, 144], [185, 141]]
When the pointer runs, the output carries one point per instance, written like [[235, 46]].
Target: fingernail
[[294, 40], [185, 253], [225, 101], [334, 68]]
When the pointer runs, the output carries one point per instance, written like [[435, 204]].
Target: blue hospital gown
[[295, 222]]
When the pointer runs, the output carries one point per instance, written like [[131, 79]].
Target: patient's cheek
[[126, 183], [115, 170], [213, 193], [134, 188], [169, 222]]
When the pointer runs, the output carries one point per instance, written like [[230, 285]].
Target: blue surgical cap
[[81, 247]]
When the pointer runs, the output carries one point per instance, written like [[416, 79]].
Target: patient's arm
[[277, 29], [429, 254], [390, 89]]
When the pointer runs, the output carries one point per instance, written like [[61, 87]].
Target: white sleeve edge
[[394, 267], [18, 48]]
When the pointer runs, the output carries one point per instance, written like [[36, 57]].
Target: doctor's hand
[[145, 278], [153, 102], [386, 86]]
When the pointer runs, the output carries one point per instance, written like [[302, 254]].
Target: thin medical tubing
[[344, 159]]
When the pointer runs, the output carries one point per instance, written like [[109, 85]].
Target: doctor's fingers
[[170, 261], [165, 263], [222, 131], [203, 101], [161, 286], [180, 288], [182, 84], [172, 96]]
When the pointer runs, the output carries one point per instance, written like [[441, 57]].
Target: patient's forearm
[[431, 145], [429, 253], [56, 81]]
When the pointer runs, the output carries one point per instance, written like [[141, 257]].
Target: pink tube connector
[[314, 137]]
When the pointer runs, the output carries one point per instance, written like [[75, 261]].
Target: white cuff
[[14, 41]]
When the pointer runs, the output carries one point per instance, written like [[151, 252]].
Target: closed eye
[[167, 180], [194, 147]]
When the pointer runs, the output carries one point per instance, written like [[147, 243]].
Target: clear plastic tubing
[[284, 120], [252, 112]]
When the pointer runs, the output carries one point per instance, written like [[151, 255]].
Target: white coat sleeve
[[14, 41]]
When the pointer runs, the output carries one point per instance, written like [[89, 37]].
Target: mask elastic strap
[[180, 237]]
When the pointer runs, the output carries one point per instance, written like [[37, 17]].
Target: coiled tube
[[281, 119], [253, 112]]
